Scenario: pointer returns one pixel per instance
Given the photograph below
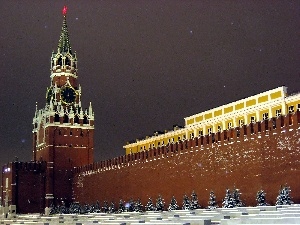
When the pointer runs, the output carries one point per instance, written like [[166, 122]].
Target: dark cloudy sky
[[144, 64]]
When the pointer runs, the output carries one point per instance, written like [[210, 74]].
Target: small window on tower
[[56, 118], [67, 61], [76, 119], [85, 120], [66, 119], [59, 61], [71, 133]]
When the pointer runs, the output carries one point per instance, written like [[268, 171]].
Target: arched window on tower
[[56, 118], [66, 119], [85, 120], [76, 119], [67, 61], [59, 61]]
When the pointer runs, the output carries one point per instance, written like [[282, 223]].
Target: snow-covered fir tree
[[228, 201], [87, 208], [212, 203], [261, 198], [284, 197], [112, 208], [97, 207], [173, 204], [160, 204], [131, 205], [194, 201], [92, 208], [150, 206], [53, 210], [75, 208], [186, 203], [62, 209], [138, 207], [237, 202], [121, 206], [105, 207], [82, 209]]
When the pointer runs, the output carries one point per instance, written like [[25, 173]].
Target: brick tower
[[63, 132]]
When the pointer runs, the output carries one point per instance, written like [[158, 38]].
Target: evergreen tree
[[62, 209], [82, 209], [194, 201], [92, 208], [86, 208], [121, 206], [97, 207], [160, 204], [284, 197], [131, 205], [173, 204], [53, 210], [150, 206], [138, 207], [105, 207], [186, 203], [212, 203], [74, 208], [228, 201], [112, 208], [261, 198], [237, 202]]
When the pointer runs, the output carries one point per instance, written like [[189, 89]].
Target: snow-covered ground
[[224, 216]]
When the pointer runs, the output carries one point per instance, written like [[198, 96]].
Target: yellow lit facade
[[263, 106]]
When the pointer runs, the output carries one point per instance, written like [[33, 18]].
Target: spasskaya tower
[[63, 131]]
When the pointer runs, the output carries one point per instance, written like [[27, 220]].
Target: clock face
[[49, 94], [68, 95]]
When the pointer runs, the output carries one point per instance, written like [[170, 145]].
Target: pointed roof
[[64, 42]]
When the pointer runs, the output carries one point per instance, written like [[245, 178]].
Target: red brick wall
[[265, 159], [26, 186]]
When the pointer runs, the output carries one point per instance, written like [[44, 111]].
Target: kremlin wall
[[264, 154]]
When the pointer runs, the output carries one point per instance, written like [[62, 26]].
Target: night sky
[[144, 64]]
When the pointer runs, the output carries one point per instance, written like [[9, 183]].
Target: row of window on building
[[265, 116]]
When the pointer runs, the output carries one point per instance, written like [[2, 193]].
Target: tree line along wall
[[263, 155]]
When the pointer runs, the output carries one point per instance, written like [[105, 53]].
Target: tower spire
[[64, 42]]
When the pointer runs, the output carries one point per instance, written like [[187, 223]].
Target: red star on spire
[[64, 11]]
